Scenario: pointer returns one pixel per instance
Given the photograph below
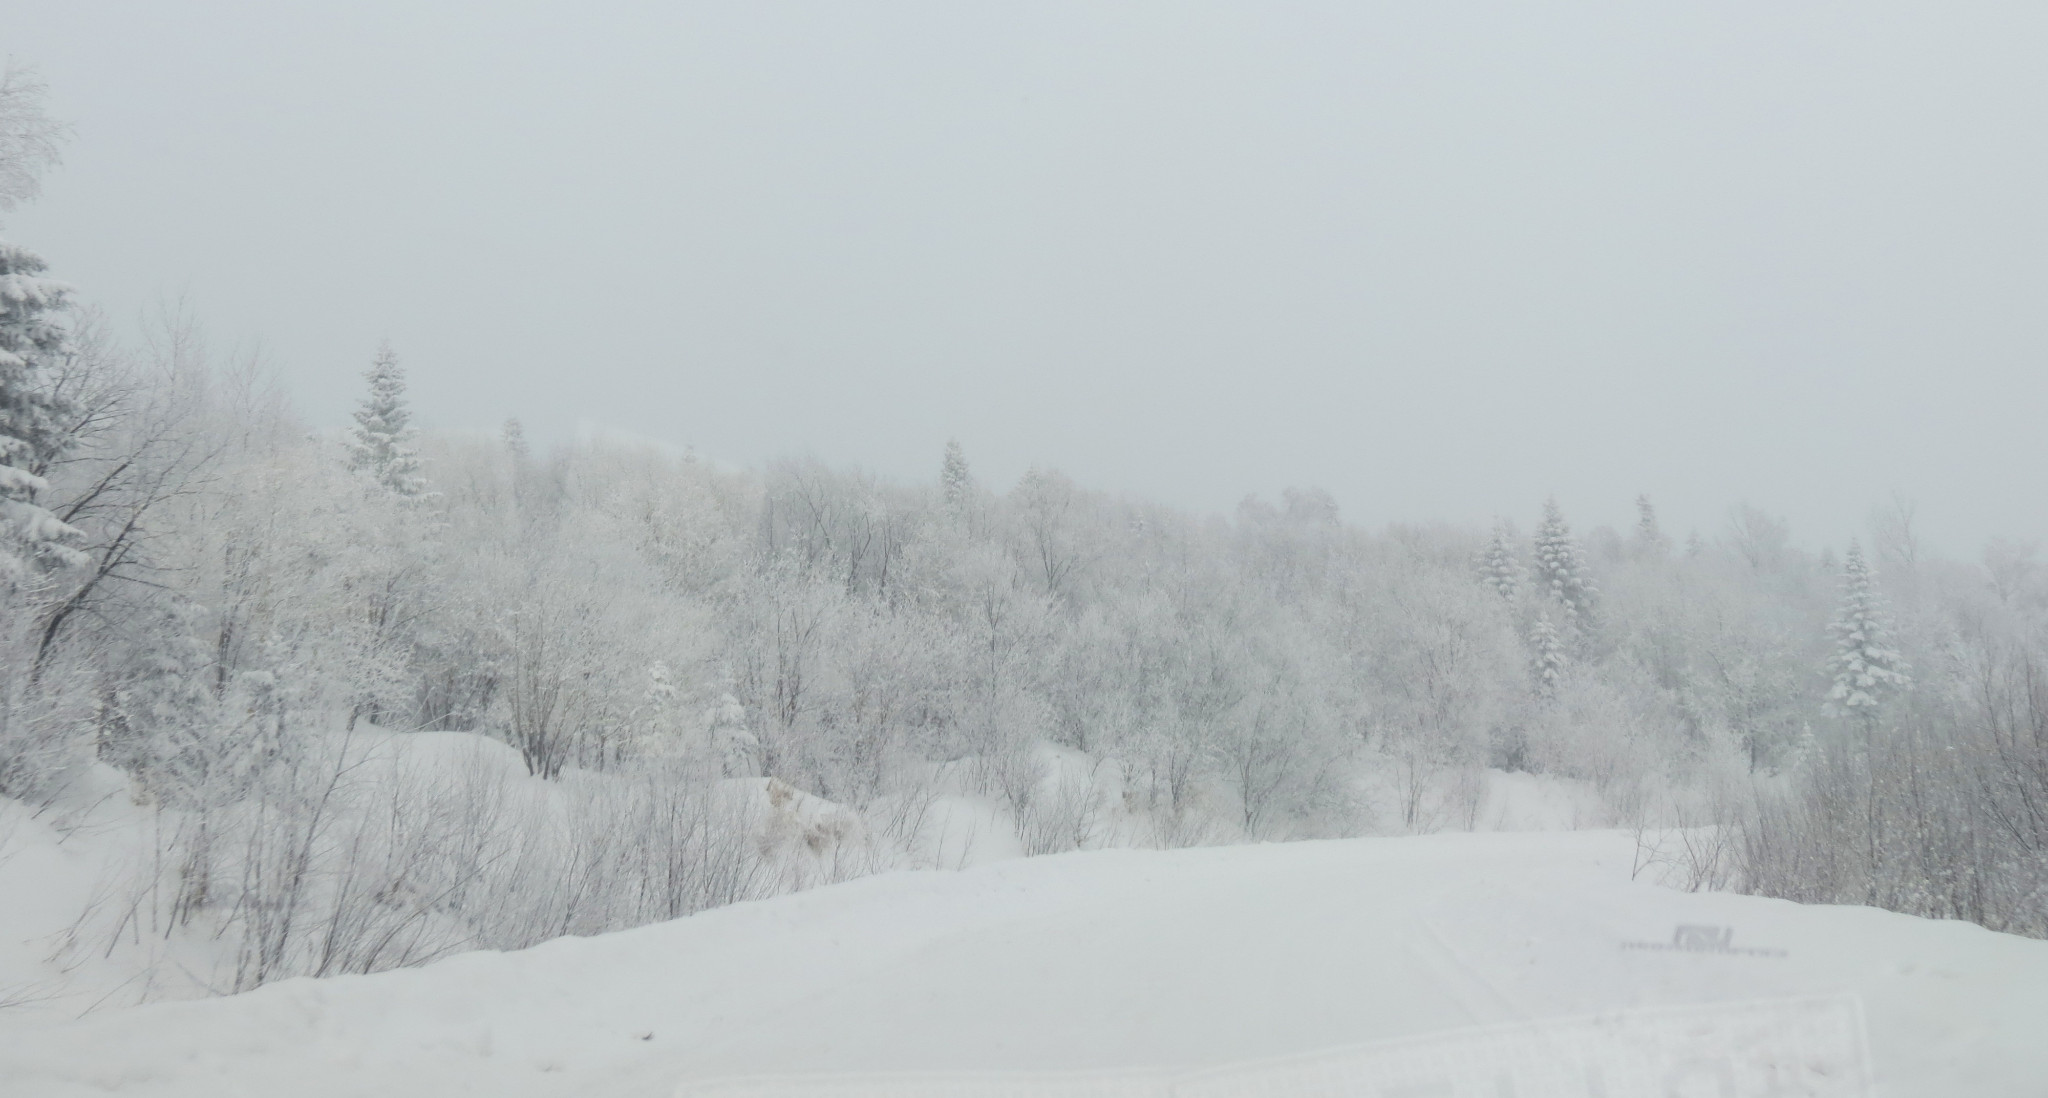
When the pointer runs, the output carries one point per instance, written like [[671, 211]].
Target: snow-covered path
[[1112, 959]]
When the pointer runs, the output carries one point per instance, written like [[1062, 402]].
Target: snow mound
[[1103, 961]]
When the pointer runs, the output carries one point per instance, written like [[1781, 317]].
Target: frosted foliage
[[1561, 567], [514, 433], [1650, 537], [1497, 565], [34, 418], [1866, 669], [158, 721], [29, 137], [1547, 659], [381, 445], [955, 480]]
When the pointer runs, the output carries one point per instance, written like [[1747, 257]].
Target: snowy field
[[1123, 961]]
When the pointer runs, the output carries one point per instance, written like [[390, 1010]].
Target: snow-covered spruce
[[1497, 566], [34, 416], [1560, 569], [1866, 670], [381, 444]]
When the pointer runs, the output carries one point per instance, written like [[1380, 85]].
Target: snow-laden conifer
[[380, 445], [1867, 670], [1547, 658], [1651, 540], [1561, 567], [1497, 565], [35, 419], [515, 439], [955, 480]]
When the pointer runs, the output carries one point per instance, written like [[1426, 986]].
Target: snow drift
[[1116, 961]]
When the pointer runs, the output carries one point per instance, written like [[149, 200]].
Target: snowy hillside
[[1104, 960]]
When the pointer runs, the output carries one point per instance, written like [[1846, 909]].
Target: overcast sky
[[1439, 258]]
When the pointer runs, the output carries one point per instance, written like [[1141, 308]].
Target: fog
[[1442, 260]]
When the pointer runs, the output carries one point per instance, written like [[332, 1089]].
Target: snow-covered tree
[[1447, 669], [1651, 540], [1547, 658], [1758, 536], [1867, 670], [155, 722], [661, 727], [515, 439], [29, 137], [955, 480], [1497, 565], [736, 749], [1043, 502], [1561, 567], [35, 419], [381, 444]]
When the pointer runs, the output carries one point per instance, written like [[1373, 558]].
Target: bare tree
[[31, 141], [1758, 537], [1895, 534]]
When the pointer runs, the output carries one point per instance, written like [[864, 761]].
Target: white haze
[[1439, 259]]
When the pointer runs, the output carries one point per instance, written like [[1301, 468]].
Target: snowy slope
[[1097, 960]]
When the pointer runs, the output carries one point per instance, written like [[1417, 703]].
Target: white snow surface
[[1098, 960]]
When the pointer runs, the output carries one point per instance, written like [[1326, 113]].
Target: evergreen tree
[[381, 443], [515, 439], [1650, 538], [661, 709], [155, 721], [1867, 670], [1497, 565], [34, 419], [1547, 659], [954, 478], [1561, 567]]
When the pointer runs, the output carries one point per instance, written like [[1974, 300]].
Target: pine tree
[[34, 418], [381, 443], [1867, 670], [1561, 567], [954, 478], [515, 439], [1650, 538], [1497, 565], [1547, 659], [661, 707], [155, 721]]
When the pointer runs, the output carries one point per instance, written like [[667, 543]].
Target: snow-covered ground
[[80, 930], [1100, 960]]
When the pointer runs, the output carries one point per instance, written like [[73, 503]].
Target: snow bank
[[1096, 961]]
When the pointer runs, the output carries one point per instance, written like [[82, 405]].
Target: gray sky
[[1441, 259]]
